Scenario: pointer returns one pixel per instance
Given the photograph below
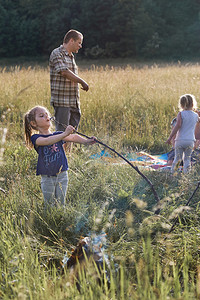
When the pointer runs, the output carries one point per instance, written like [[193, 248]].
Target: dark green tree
[[111, 28]]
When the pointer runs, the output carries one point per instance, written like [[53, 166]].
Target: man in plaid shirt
[[64, 81]]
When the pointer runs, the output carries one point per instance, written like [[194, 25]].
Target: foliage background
[[112, 28]]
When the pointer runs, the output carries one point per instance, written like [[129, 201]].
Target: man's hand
[[75, 78], [85, 86]]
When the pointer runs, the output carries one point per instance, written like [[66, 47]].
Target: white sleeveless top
[[187, 130]]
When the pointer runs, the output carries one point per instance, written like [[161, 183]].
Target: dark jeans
[[66, 116]]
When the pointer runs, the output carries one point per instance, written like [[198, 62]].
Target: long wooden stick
[[128, 162], [2, 190]]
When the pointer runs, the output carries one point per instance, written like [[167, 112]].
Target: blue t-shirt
[[51, 159]]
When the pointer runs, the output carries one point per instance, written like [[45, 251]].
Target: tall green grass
[[128, 109]]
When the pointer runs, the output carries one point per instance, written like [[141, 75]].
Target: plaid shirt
[[63, 91]]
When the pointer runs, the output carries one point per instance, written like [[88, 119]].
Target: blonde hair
[[28, 127], [187, 102]]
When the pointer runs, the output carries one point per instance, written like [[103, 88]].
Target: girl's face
[[42, 118]]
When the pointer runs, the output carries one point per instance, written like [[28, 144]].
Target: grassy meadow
[[130, 109]]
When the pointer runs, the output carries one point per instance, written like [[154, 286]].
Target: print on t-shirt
[[51, 154]]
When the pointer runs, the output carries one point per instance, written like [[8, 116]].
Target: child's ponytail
[[28, 131], [187, 101], [28, 127]]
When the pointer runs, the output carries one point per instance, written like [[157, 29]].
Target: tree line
[[111, 28]]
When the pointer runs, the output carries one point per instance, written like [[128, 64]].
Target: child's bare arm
[[75, 138], [175, 129], [197, 131], [50, 140]]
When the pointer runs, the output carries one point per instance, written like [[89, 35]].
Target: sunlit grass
[[132, 106], [125, 107]]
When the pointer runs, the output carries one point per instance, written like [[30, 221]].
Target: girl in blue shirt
[[52, 162]]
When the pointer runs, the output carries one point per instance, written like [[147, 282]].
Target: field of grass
[[129, 109]]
